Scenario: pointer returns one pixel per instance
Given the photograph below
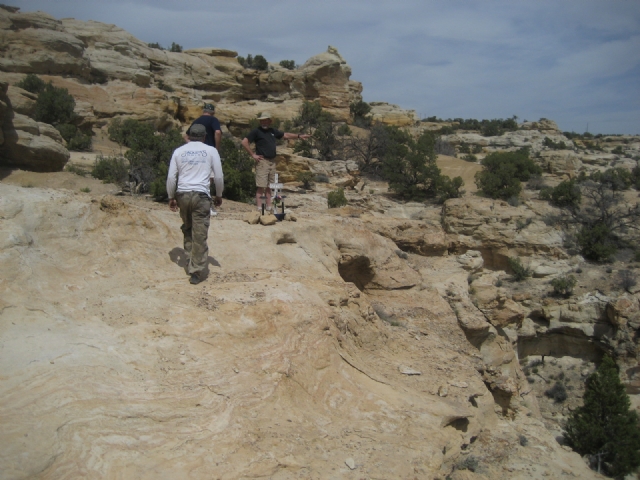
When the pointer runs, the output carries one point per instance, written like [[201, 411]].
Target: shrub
[[410, 166], [75, 169], [554, 145], [596, 241], [635, 175], [67, 130], [604, 427], [618, 150], [522, 224], [498, 126], [470, 158], [288, 64], [54, 105], [155, 45], [520, 272], [616, 179], [237, 167], [260, 63], [79, 142], [110, 169], [303, 148], [464, 148], [310, 116], [564, 285], [545, 193], [344, 130], [558, 392], [31, 83], [604, 218], [149, 152], [449, 188], [321, 178], [175, 47], [470, 463], [324, 133], [360, 112], [566, 194], [370, 148], [305, 177], [514, 201], [503, 173], [336, 198], [326, 141], [85, 190], [76, 140], [257, 63]]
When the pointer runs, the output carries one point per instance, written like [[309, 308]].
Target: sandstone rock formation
[[110, 73], [311, 349], [26, 143]]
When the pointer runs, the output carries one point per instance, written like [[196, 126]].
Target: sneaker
[[213, 213], [194, 279]]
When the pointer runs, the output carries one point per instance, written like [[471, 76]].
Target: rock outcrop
[[312, 347], [26, 143], [110, 74]]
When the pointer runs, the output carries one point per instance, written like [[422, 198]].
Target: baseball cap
[[209, 107], [197, 130]]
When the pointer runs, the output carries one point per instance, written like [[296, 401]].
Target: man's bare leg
[[263, 191]]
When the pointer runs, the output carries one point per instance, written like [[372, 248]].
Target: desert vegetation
[[605, 428], [257, 62], [55, 106]]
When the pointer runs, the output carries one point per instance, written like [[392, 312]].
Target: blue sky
[[576, 62]]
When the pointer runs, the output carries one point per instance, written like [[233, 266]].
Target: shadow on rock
[[180, 258]]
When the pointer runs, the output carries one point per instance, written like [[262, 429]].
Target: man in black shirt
[[264, 138], [211, 124]]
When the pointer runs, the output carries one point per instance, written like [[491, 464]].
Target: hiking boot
[[195, 279]]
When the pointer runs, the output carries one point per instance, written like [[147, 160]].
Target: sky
[[576, 62]]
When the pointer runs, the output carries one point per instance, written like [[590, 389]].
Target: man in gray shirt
[[192, 169]]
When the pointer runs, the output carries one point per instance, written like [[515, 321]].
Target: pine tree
[[604, 428]]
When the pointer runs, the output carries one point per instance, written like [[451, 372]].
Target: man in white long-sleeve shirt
[[192, 169]]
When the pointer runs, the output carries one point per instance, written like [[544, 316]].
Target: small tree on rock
[[604, 427], [503, 172]]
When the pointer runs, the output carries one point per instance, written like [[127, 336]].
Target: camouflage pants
[[195, 213]]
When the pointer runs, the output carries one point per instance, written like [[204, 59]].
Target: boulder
[[22, 101], [543, 124], [327, 76], [390, 114], [560, 162], [415, 236], [268, 219], [27, 144], [499, 230], [471, 260], [30, 151]]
